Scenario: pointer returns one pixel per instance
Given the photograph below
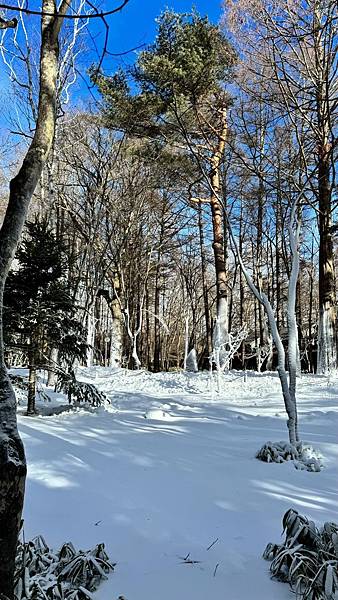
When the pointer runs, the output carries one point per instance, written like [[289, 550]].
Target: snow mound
[[157, 414]]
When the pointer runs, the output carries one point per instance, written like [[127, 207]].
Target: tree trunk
[[12, 456], [207, 349], [325, 62], [157, 333], [31, 382], [311, 283], [51, 380], [218, 235], [241, 288], [90, 323], [327, 335], [278, 264], [293, 342], [12, 484]]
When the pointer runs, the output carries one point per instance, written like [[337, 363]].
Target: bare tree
[[292, 48], [288, 384]]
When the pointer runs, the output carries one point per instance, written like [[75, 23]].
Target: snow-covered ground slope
[[168, 473]]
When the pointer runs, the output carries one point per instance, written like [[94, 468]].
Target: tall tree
[[178, 98], [39, 311]]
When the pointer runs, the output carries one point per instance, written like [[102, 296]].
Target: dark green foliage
[[308, 558], [188, 64], [190, 57], [68, 574], [78, 391], [81, 391], [39, 311]]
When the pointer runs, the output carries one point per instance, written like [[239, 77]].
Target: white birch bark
[[327, 349], [51, 374], [186, 343], [90, 334], [222, 328]]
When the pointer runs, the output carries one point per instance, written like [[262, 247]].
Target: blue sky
[[136, 25]]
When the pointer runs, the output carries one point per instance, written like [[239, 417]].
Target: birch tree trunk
[[186, 343], [90, 322], [51, 374]]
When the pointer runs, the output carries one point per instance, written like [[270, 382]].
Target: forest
[[168, 258]]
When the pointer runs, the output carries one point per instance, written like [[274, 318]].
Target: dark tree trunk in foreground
[[12, 483]]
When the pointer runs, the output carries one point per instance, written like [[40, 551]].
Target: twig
[[43, 13], [188, 561], [216, 569], [212, 544]]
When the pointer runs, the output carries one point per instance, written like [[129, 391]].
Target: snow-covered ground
[[167, 475]]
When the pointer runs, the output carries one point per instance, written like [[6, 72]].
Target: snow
[[166, 476]]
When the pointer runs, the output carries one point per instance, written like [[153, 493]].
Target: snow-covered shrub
[[225, 346], [82, 391], [68, 574], [302, 455], [308, 558], [191, 362]]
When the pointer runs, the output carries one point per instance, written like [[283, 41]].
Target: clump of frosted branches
[[224, 349]]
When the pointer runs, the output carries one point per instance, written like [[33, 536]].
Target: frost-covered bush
[[68, 574], [308, 558], [302, 455]]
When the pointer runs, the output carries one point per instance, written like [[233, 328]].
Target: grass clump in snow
[[308, 558], [68, 574], [302, 455]]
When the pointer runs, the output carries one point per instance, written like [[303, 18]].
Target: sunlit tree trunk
[[218, 232]]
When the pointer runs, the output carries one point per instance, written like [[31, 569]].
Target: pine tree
[[175, 94], [38, 306]]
